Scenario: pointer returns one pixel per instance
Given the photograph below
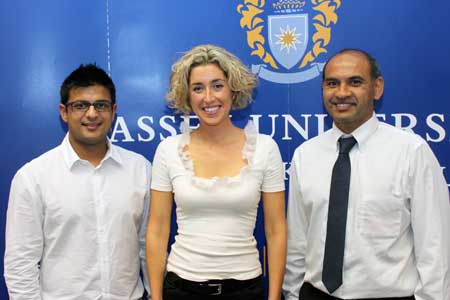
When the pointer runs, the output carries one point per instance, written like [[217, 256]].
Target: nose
[[343, 91], [209, 95], [91, 112]]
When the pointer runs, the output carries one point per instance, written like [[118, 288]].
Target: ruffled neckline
[[206, 183]]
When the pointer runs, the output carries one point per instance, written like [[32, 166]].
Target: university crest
[[288, 36]]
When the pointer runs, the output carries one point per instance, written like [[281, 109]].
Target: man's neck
[[92, 153]]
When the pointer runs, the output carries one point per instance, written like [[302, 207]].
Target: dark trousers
[[177, 288], [309, 292]]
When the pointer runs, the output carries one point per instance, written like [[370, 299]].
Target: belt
[[210, 287], [309, 292]]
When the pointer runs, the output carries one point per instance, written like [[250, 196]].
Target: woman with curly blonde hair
[[216, 175]]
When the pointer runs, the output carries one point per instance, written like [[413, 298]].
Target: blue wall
[[137, 42]]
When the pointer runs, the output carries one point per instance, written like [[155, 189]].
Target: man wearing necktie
[[368, 211]]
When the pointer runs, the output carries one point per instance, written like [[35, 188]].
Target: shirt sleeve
[[24, 239], [143, 229], [430, 220], [297, 227], [160, 171], [274, 174]]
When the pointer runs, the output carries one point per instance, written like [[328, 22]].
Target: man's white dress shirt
[[75, 231], [398, 224]]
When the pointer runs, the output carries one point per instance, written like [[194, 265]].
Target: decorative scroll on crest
[[254, 25]]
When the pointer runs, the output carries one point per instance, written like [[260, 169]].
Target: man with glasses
[[77, 214]]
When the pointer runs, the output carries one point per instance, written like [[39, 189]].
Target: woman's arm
[[276, 236], [158, 230]]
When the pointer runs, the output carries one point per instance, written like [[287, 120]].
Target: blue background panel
[[138, 41]]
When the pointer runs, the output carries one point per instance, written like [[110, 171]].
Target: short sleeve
[[160, 170], [273, 180]]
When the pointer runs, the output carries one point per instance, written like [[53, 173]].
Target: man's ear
[[379, 88], [63, 112]]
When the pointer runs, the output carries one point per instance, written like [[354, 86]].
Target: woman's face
[[210, 95]]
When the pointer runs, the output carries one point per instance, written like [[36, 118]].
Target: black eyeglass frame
[[99, 105]]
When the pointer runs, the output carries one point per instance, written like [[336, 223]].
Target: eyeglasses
[[83, 105]]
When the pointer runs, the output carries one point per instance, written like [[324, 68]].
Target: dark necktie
[[337, 217]]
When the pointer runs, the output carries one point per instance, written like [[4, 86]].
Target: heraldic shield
[[288, 38]]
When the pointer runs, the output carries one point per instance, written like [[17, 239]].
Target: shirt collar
[[71, 157], [361, 134]]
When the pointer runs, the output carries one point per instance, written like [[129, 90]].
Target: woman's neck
[[219, 134]]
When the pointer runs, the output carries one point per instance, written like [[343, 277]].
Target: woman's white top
[[216, 217]]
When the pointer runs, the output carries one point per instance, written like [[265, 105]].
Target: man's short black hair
[[84, 76], [375, 71]]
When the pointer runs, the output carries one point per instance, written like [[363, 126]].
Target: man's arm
[[24, 239], [430, 219], [143, 230], [297, 226]]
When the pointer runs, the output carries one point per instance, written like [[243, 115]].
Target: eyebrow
[[357, 77], [212, 81], [349, 78], [84, 100]]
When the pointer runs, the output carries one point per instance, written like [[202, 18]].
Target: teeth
[[211, 110]]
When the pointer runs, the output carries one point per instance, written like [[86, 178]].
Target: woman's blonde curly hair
[[240, 79]]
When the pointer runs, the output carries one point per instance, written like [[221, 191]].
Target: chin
[[212, 120], [209, 123], [94, 140]]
